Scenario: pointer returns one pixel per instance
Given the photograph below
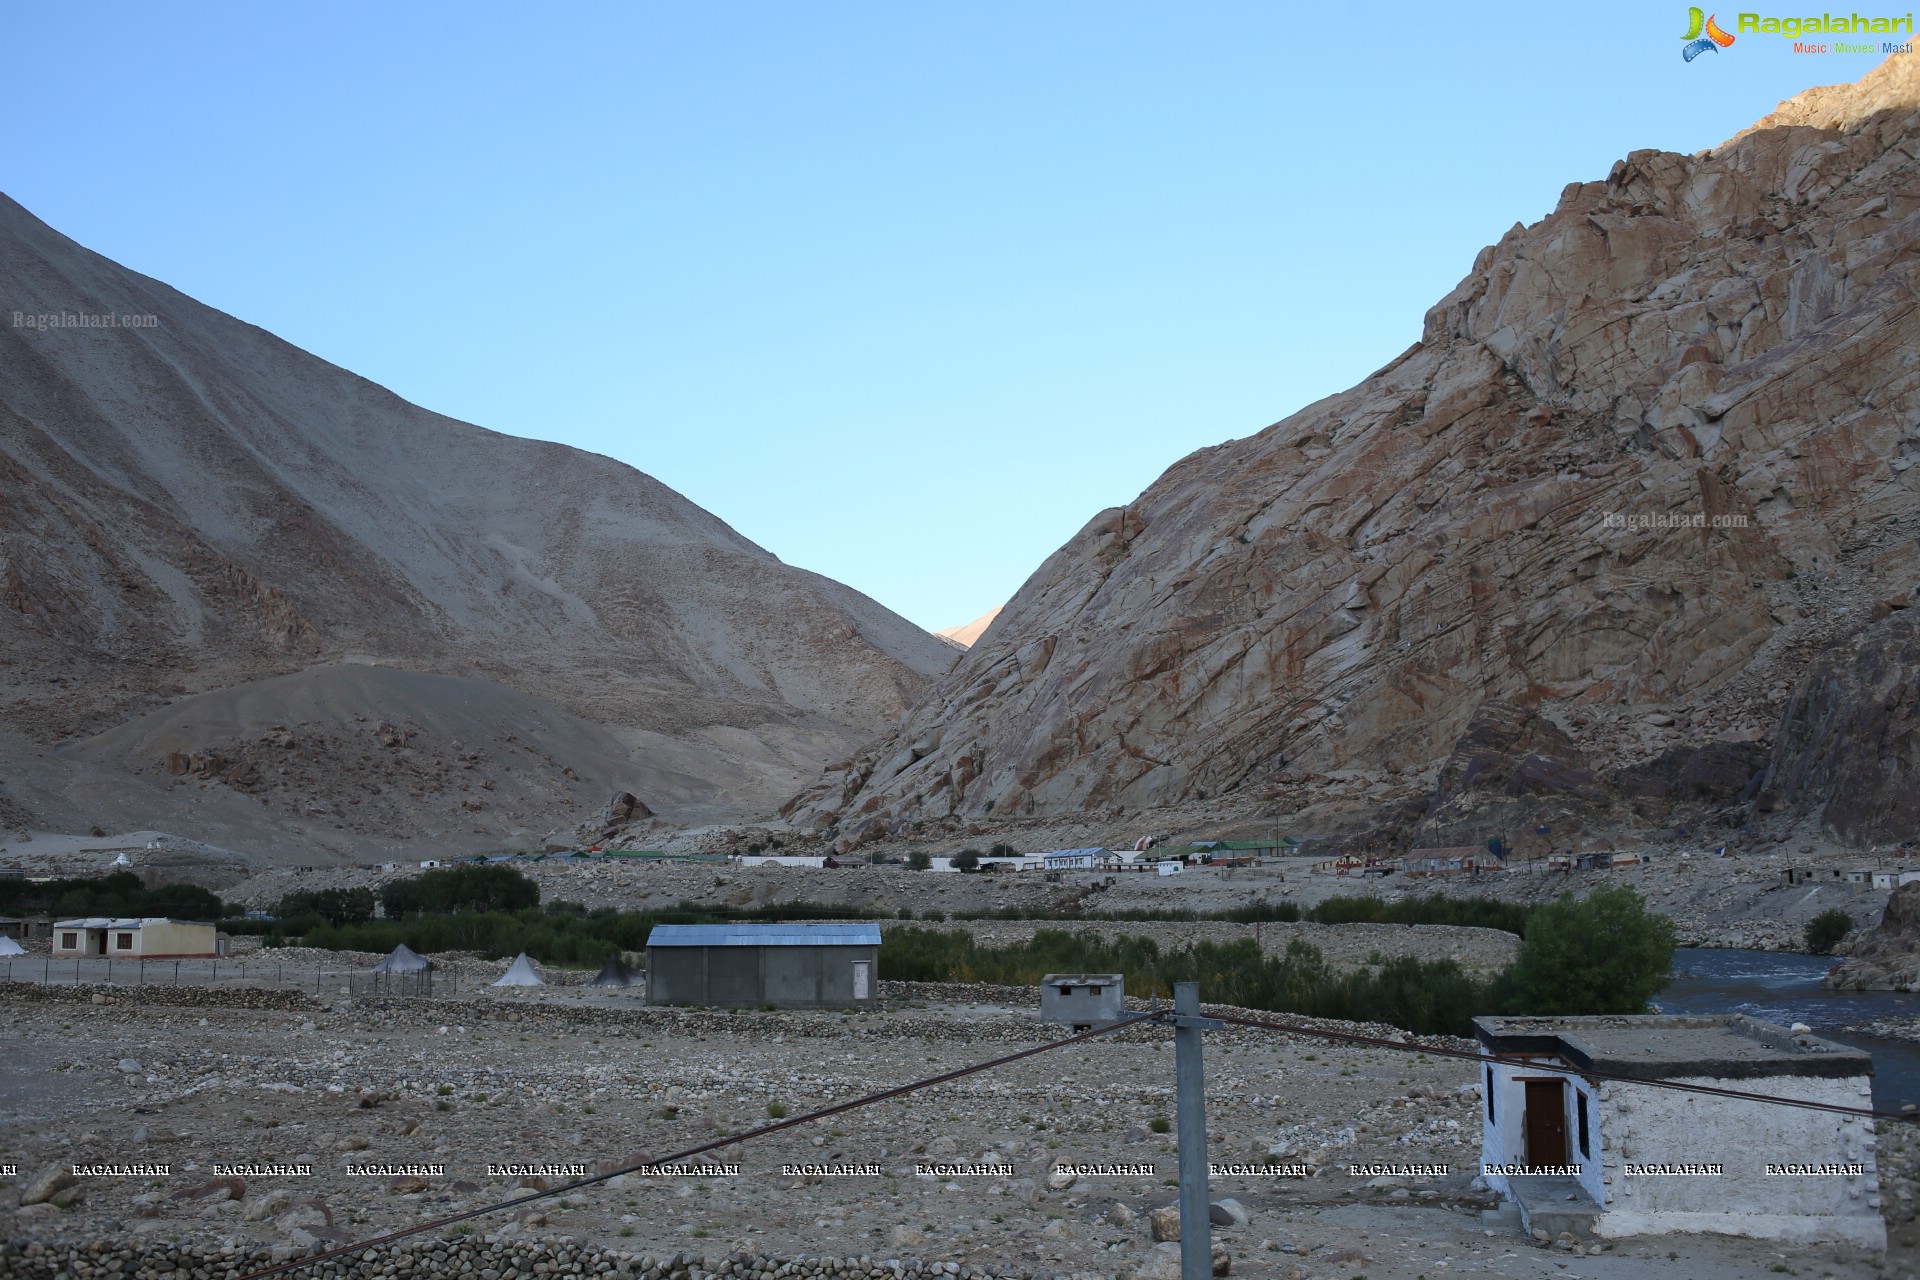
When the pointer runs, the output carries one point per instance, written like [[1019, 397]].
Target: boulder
[[1164, 1222], [1162, 1262], [50, 1181]]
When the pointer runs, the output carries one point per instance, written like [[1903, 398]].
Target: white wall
[[1633, 1124]]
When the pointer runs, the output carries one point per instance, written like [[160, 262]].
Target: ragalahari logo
[[1713, 41]]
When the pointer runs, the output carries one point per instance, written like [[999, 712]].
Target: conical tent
[[404, 960], [8, 947], [520, 974], [615, 973]]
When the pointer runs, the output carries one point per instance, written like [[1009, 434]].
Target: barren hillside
[[196, 506]]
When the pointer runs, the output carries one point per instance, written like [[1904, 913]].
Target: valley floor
[[566, 1077]]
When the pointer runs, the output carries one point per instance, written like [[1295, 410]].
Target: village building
[[753, 965], [149, 938], [1074, 859], [1575, 1140]]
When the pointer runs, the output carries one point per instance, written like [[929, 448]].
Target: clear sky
[[906, 292]]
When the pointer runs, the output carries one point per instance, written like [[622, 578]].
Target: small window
[[1491, 1119], [68, 941], [123, 941], [1586, 1149]]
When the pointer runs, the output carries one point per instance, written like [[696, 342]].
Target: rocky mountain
[[216, 546], [1652, 456], [966, 634]]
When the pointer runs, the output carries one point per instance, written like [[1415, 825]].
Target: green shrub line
[[120, 894], [1480, 913], [1604, 954]]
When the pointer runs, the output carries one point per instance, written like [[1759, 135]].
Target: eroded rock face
[[1888, 959], [1850, 737], [1654, 449]]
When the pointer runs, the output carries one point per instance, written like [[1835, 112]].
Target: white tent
[[520, 974], [8, 947], [404, 960]]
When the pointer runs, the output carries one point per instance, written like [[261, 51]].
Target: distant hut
[[615, 973], [520, 974]]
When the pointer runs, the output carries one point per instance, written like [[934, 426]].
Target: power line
[[703, 1148]]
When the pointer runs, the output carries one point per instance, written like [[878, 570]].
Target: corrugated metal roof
[[1076, 853], [764, 935]]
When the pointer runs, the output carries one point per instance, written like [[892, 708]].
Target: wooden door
[[1546, 1122]]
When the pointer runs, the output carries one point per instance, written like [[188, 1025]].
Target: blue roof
[[764, 935], [1075, 853]]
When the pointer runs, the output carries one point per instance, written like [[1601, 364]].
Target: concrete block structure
[[1615, 1157], [789, 966], [1082, 1000], [148, 938]]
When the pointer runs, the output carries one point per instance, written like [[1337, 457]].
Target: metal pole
[[1190, 1109]]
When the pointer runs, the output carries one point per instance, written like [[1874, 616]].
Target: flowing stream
[[1785, 988]]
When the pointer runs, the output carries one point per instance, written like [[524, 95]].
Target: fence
[[65, 971]]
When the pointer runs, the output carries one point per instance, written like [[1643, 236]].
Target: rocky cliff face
[[1652, 454], [196, 506], [1887, 959], [1849, 742]]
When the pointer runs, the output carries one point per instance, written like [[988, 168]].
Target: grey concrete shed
[[1082, 1000], [789, 966]]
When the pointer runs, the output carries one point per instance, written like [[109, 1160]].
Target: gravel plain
[[438, 1090]]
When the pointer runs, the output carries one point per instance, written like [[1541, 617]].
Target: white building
[[1616, 1157], [147, 938], [1074, 859]]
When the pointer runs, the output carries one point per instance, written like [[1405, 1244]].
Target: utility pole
[[1190, 1109]]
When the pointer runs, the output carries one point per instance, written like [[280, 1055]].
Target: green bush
[[967, 860], [1825, 931], [1604, 954], [120, 894], [336, 906], [457, 889], [919, 860]]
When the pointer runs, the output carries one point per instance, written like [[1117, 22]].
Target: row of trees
[[120, 894], [1604, 954]]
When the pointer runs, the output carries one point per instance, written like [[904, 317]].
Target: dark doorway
[[1546, 1123]]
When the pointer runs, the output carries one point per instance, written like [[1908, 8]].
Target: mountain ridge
[[1648, 458], [198, 505]]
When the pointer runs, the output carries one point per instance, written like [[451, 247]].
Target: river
[[1785, 988]]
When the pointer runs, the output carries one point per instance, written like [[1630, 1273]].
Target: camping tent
[[615, 973], [520, 974], [404, 960], [8, 947]]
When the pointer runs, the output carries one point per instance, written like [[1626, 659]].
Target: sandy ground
[[561, 1078]]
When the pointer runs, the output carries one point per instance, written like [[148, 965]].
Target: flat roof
[[100, 922], [1670, 1046], [1081, 979], [764, 935]]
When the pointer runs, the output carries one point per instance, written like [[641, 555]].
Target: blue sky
[[904, 292]]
